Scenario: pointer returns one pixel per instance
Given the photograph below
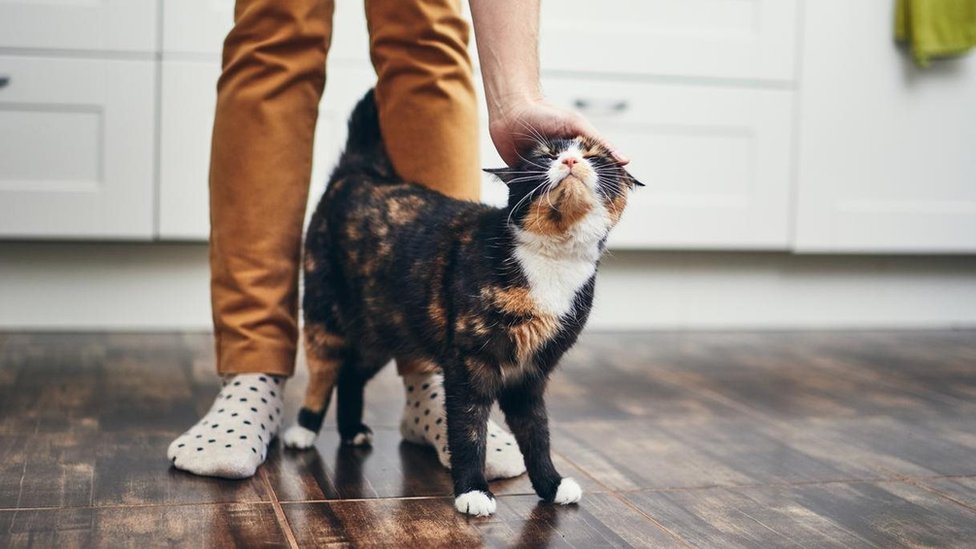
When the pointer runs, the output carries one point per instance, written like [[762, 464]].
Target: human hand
[[515, 127]]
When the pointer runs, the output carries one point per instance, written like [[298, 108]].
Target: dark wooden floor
[[706, 440]]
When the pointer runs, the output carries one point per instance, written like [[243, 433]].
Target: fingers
[[582, 126], [509, 133]]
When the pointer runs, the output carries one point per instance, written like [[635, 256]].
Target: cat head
[[563, 183]]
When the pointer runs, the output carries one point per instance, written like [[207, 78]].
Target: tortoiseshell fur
[[395, 270]]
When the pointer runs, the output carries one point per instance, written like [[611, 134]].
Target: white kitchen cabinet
[[188, 96], [198, 27], [76, 148], [887, 151], [716, 160], [742, 39], [92, 25], [187, 113]]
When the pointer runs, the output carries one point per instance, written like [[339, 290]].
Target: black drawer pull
[[601, 107]]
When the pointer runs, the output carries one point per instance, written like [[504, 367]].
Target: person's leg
[[429, 121], [267, 107]]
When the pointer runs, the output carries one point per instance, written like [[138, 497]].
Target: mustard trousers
[[267, 105]]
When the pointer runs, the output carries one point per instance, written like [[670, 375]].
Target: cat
[[492, 296]]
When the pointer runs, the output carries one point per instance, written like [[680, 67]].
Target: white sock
[[232, 439], [424, 423]]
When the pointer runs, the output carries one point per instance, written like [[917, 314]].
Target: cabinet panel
[[196, 26], [716, 161], [886, 158], [108, 25], [749, 39], [200, 26], [76, 148], [188, 98]]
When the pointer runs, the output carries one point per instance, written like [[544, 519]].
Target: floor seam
[[907, 480], [648, 516], [280, 516], [942, 494]]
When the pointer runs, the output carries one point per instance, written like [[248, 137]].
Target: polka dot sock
[[424, 423], [232, 439]]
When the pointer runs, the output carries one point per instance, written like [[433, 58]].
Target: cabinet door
[[744, 39], [103, 25], [887, 151], [196, 26], [199, 27], [716, 161], [76, 148], [188, 98]]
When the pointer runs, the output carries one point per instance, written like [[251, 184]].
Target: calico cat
[[492, 296]]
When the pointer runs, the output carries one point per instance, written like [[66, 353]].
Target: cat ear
[[632, 180], [506, 175]]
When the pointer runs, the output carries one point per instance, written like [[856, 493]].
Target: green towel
[[936, 28]]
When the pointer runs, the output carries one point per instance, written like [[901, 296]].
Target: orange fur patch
[[564, 206], [403, 210], [514, 301], [534, 330], [615, 208], [321, 340], [321, 351], [531, 335]]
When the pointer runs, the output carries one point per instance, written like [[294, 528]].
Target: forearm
[[508, 37]]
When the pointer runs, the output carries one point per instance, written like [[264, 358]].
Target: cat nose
[[570, 161]]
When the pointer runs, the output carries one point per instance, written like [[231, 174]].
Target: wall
[[82, 286]]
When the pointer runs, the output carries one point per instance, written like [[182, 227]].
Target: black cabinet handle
[[4, 80], [601, 107]]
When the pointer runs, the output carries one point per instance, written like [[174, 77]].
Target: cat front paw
[[568, 492], [362, 437], [299, 437], [475, 503]]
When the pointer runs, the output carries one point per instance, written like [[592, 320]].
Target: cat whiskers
[[531, 163], [508, 222], [535, 134]]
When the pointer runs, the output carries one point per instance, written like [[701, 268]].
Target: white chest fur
[[557, 269]]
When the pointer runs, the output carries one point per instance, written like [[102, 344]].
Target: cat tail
[[365, 153]]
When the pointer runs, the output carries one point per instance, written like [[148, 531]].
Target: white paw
[[475, 503], [568, 492], [299, 437], [361, 439]]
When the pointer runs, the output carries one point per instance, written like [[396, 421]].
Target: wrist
[[506, 105]]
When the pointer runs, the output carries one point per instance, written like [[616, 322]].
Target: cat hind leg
[[325, 352]]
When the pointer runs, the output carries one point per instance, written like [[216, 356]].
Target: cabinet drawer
[[748, 39], [104, 25], [76, 142], [716, 161]]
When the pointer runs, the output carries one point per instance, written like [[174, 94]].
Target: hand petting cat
[[521, 122], [518, 114]]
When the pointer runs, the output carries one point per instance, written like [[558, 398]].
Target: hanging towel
[[936, 28]]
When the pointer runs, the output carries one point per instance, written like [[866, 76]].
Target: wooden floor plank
[[883, 515], [390, 468], [601, 520], [57, 470], [715, 439], [961, 490], [192, 526]]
